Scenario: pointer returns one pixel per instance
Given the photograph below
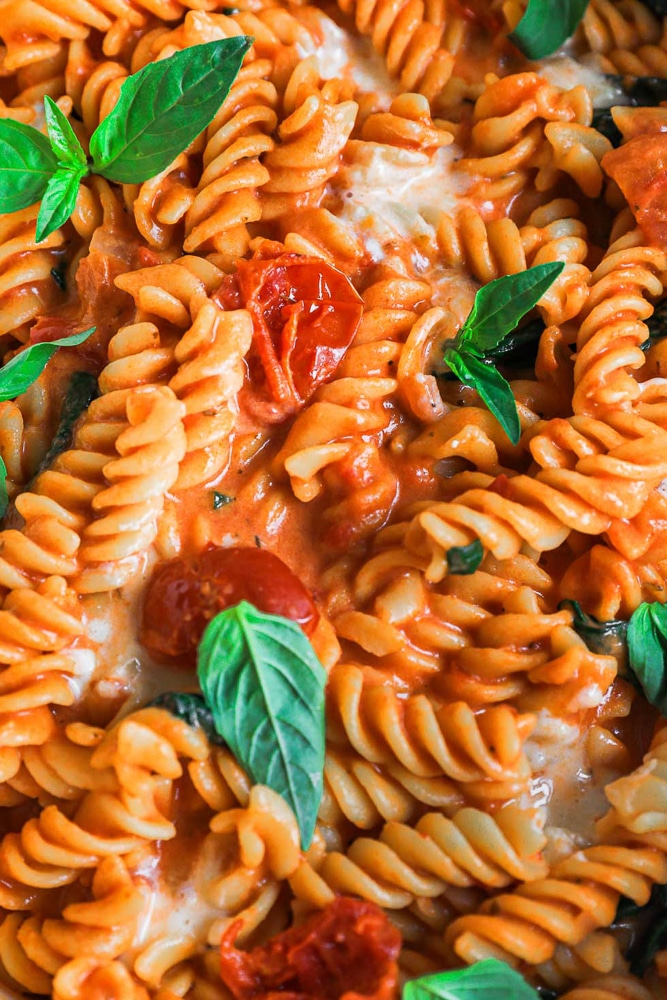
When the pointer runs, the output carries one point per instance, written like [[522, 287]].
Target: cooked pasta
[[273, 423]]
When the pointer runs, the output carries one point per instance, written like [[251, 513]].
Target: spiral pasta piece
[[407, 863], [623, 38], [582, 891], [32, 950], [307, 154], [613, 328], [139, 759], [27, 286]]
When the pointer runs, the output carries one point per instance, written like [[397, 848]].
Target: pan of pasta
[[333, 485]]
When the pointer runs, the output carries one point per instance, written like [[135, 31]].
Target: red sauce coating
[[305, 314], [348, 951], [186, 592]]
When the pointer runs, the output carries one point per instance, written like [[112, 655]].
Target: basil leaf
[[608, 638], [657, 6], [465, 559], [519, 347], [26, 163], [189, 708], [603, 122], [64, 142], [487, 980], [58, 201], [493, 389], [81, 392], [265, 688], [221, 500], [546, 24], [649, 924], [4, 495], [500, 305], [163, 108], [647, 646], [26, 367]]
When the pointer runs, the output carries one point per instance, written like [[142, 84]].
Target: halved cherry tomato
[[346, 952], [639, 167], [305, 314], [186, 592]]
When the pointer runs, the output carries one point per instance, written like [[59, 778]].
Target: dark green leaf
[[63, 141], [519, 347], [163, 108], [493, 389], [647, 91], [221, 500], [500, 305], [487, 980], [265, 687], [657, 6], [649, 924], [189, 708], [647, 647], [59, 276], [26, 163], [608, 638], [546, 24], [81, 392], [4, 496], [465, 559], [26, 367], [657, 324], [58, 201], [604, 123]]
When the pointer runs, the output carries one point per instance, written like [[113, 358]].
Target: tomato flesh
[[186, 592], [346, 952], [639, 167], [305, 314]]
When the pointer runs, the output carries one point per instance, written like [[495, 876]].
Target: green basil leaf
[[189, 708], [519, 347], [546, 24], [649, 923], [163, 108], [265, 688], [4, 495], [465, 559], [26, 367], [647, 647], [493, 389], [82, 390], [64, 142], [221, 500], [487, 980], [608, 638], [59, 200], [26, 163], [500, 305]]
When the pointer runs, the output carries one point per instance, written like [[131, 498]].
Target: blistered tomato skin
[[349, 951], [186, 592]]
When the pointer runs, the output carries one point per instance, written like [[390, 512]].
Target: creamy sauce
[[562, 70], [348, 57], [388, 193]]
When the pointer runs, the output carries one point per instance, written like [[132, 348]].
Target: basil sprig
[[497, 309], [487, 980], [264, 685], [160, 111], [546, 24], [647, 650]]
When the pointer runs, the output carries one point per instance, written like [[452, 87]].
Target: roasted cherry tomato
[[346, 952], [639, 167], [305, 314], [185, 593]]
